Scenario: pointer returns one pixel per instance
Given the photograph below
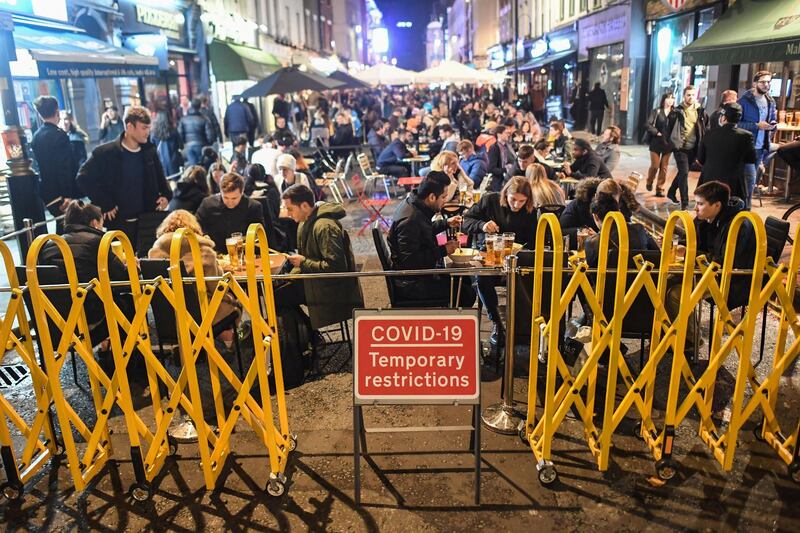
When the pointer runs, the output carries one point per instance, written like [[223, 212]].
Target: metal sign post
[[415, 356]]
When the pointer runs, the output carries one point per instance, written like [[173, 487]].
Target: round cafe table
[[416, 161]]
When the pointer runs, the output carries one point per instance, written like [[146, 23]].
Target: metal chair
[[370, 176]]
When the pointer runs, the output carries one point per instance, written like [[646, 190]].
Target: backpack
[[482, 145]]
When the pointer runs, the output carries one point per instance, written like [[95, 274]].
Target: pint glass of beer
[[489, 249], [508, 243]]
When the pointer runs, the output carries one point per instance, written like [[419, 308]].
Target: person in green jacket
[[323, 246]]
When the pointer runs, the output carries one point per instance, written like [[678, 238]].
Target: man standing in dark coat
[[598, 103], [54, 157], [125, 179], [196, 132], [238, 119], [726, 150], [688, 126]]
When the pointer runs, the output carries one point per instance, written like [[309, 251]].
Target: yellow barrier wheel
[[794, 471], [141, 492], [275, 488], [172, 443], [12, 491], [292, 442], [666, 469], [637, 430], [757, 432], [523, 434], [547, 473]]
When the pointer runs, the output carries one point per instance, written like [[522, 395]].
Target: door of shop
[[605, 66]]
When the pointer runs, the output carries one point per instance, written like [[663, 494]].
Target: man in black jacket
[[587, 163], [124, 178], [598, 103], [230, 211], [57, 166], [196, 132], [413, 244], [501, 159], [715, 210], [726, 150]]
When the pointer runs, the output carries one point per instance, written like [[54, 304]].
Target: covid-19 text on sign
[[416, 356]]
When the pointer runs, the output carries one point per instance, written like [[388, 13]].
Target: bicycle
[[792, 215]]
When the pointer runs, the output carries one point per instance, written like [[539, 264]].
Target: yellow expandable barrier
[[20, 466], [129, 334], [667, 336]]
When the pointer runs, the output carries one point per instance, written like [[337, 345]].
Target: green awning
[[750, 31], [233, 62]]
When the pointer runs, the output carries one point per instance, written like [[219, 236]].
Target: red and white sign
[[407, 356], [675, 5]]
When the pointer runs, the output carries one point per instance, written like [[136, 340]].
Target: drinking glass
[[476, 196], [489, 249], [498, 249], [232, 244], [508, 243]]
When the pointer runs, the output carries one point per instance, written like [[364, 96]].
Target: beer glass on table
[[235, 246], [476, 196], [489, 240], [508, 243], [583, 233]]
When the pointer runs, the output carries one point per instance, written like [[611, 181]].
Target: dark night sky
[[406, 44]]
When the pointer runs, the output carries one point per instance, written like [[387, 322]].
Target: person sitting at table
[[161, 250], [260, 185], [586, 164], [323, 245], [577, 213], [239, 156], [413, 244], [542, 155], [525, 157], [287, 173], [83, 231], [215, 173], [190, 190], [230, 211], [544, 190], [608, 147], [377, 137], [449, 138], [390, 160], [344, 138], [510, 210], [561, 140], [474, 165], [638, 237], [447, 162]]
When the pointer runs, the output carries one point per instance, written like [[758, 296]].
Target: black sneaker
[[649, 187], [672, 198], [659, 194]]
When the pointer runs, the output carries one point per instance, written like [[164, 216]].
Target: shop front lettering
[[94, 72], [793, 49]]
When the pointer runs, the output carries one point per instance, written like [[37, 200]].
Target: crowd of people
[[494, 168]]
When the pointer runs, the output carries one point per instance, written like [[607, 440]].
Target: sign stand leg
[[357, 435], [476, 442]]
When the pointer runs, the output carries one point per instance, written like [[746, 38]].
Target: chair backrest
[[163, 311], [363, 163], [384, 256], [777, 235], [61, 299], [550, 208], [639, 318]]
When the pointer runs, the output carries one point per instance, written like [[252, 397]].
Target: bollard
[[502, 417]]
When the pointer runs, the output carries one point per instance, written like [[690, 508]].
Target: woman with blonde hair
[[447, 162], [161, 250], [544, 190]]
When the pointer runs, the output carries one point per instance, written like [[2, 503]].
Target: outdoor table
[[567, 184], [784, 133], [416, 161], [277, 260]]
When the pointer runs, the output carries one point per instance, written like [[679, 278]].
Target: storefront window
[[670, 36]]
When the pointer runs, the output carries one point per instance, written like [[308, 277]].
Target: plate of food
[[462, 256]]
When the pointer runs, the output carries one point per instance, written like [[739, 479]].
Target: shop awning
[[546, 60], [62, 54], [233, 62], [750, 31]]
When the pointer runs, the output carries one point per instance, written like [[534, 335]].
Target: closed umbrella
[[291, 80], [349, 81]]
